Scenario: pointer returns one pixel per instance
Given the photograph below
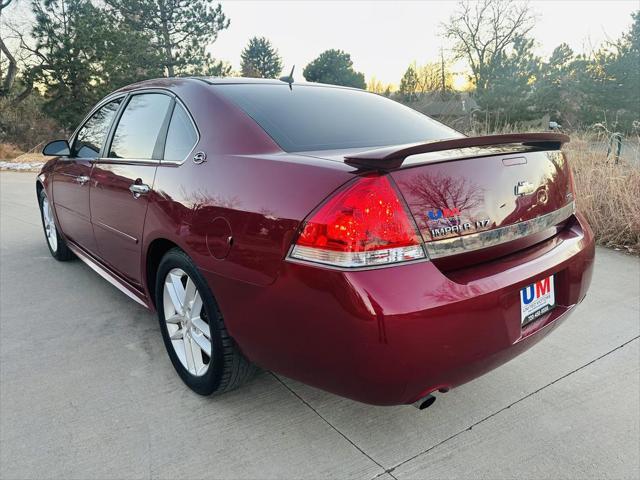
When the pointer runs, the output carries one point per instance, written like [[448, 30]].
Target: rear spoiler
[[387, 158]]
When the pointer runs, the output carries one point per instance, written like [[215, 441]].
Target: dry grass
[[9, 151], [12, 158], [607, 193]]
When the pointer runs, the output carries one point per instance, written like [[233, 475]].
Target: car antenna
[[288, 78]]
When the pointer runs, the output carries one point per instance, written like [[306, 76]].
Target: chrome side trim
[[115, 230], [72, 212], [491, 238], [108, 276], [126, 161]]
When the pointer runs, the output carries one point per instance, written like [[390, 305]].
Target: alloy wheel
[[187, 323], [49, 225]]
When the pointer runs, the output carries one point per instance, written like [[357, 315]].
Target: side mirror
[[57, 148]]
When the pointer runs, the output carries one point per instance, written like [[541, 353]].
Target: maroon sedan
[[325, 233]]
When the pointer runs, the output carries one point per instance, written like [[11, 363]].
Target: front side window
[[137, 131], [181, 137], [93, 133]]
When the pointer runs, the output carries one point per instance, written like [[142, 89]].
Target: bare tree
[[433, 77], [378, 86], [443, 192], [483, 30], [12, 67]]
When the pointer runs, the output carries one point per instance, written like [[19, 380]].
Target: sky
[[384, 37]]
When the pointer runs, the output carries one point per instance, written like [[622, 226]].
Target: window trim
[[98, 106], [162, 137], [104, 158], [164, 143]]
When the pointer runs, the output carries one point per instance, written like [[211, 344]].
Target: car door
[[122, 180], [72, 174]]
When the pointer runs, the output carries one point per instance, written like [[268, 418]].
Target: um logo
[[536, 290], [445, 212]]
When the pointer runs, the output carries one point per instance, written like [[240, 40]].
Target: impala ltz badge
[[447, 221]]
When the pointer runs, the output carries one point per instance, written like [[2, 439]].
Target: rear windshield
[[325, 118]]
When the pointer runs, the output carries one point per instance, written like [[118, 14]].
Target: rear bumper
[[390, 336]]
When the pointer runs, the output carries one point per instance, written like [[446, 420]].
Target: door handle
[[82, 179], [139, 189]]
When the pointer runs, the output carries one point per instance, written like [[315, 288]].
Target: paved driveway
[[87, 391]]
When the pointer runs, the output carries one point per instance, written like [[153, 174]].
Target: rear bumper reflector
[[491, 238]]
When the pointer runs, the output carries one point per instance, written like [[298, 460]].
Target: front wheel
[[56, 243], [202, 352]]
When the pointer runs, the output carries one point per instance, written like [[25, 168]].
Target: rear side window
[[137, 131], [181, 137], [309, 117], [93, 133]]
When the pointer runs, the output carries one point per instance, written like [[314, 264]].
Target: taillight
[[365, 224]]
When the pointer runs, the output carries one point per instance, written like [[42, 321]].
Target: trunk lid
[[477, 198], [475, 209]]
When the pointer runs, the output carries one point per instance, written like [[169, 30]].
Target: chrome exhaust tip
[[424, 402]]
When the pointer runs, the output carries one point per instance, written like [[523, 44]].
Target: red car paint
[[382, 335]]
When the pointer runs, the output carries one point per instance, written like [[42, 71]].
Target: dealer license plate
[[537, 299]]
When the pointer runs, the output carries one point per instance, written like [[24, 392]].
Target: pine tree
[[336, 68], [556, 89], [180, 30], [408, 90], [612, 82], [260, 59], [81, 53], [509, 94]]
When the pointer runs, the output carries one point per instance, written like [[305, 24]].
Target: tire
[[184, 334], [56, 243]]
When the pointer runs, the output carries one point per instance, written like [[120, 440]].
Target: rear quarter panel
[[247, 189], [258, 200]]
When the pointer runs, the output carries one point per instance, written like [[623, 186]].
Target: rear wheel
[[202, 352], [57, 245]]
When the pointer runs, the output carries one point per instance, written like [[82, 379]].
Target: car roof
[[170, 82], [231, 80], [262, 81]]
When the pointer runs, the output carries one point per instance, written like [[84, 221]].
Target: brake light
[[365, 224]]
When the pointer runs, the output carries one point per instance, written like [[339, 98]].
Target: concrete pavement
[[87, 391]]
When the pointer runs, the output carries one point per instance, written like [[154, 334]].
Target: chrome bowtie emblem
[[543, 197], [523, 188], [199, 157]]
